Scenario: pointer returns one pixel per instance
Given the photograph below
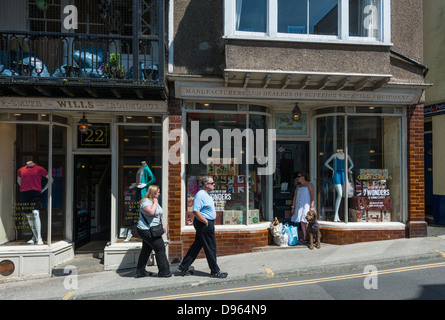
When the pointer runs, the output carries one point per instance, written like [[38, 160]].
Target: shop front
[[352, 144], [68, 188]]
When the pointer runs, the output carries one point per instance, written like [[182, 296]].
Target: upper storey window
[[357, 21]]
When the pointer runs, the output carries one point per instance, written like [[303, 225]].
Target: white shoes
[[33, 240]]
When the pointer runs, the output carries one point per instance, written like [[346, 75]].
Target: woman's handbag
[[157, 231]]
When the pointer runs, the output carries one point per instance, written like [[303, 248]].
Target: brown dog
[[313, 230]]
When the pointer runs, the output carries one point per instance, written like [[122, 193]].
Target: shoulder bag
[[156, 231]]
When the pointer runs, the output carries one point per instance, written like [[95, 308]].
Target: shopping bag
[[292, 233], [283, 239]]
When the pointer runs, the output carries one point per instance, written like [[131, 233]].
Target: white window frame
[[383, 38]]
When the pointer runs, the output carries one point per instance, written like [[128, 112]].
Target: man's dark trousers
[[204, 238]]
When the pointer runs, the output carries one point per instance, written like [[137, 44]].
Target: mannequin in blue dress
[[338, 177]]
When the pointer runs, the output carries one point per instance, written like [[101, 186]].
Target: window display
[[372, 200], [338, 176], [362, 182], [29, 178], [29, 149], [140, 165], [238, 186]]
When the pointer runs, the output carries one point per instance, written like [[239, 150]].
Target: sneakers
[[34, 240], [180, 272], [219, 274]]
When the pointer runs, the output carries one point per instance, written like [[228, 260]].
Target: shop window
[[58, 176], [217, 146], [28, 183], [360, 168], [140, 165]]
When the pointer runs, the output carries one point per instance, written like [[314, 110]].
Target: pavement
[[265, 262]]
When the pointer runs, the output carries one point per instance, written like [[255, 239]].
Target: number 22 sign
[[95, 137]]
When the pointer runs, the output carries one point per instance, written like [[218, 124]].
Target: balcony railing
[[76, 57]]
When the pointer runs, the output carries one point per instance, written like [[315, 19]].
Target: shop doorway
[[292, 157], [92, 202]]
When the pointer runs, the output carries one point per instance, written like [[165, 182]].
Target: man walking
[[205, 214]]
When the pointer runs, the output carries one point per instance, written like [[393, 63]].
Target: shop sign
[[434, 110], [93, 105], [381, 96], [285, 124]]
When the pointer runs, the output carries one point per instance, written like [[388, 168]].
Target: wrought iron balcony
[[79, 60]]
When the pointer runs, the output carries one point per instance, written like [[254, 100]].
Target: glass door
[[82, 200], [292, 157], [92, 201]]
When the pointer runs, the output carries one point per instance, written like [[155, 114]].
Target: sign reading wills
[[96, 105]]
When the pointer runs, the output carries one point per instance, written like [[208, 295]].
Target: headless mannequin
[[144, 179], [34, 217], [338, 178]]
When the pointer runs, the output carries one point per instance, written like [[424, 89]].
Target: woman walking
[[151, 216]]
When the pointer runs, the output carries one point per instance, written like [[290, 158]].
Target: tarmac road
[[396, 282]]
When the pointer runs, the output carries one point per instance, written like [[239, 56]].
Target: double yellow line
[[294, 283]]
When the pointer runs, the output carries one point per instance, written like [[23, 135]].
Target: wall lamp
[[296, 113], [83, 124]]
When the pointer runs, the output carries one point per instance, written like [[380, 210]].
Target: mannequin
[[29, 179], [338, 177], [144, 179]]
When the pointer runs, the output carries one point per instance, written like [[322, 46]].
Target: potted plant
[[113, 69]]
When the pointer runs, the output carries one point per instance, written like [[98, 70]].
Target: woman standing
[[303, 201], [150, 216]]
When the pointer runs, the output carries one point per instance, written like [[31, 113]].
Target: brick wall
[[340, 236], [232, 242], [416, 225], [174, 189]]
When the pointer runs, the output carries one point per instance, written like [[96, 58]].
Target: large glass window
[[140, 165], [33, 165], [364, 18], [217, 146], [308, 17], [251, 15], [349, 20], [58, 175], [360, 168]]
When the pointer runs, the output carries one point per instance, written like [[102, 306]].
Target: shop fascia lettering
[[213, 136]]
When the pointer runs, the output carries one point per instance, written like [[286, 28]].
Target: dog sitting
[[313, 230]]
